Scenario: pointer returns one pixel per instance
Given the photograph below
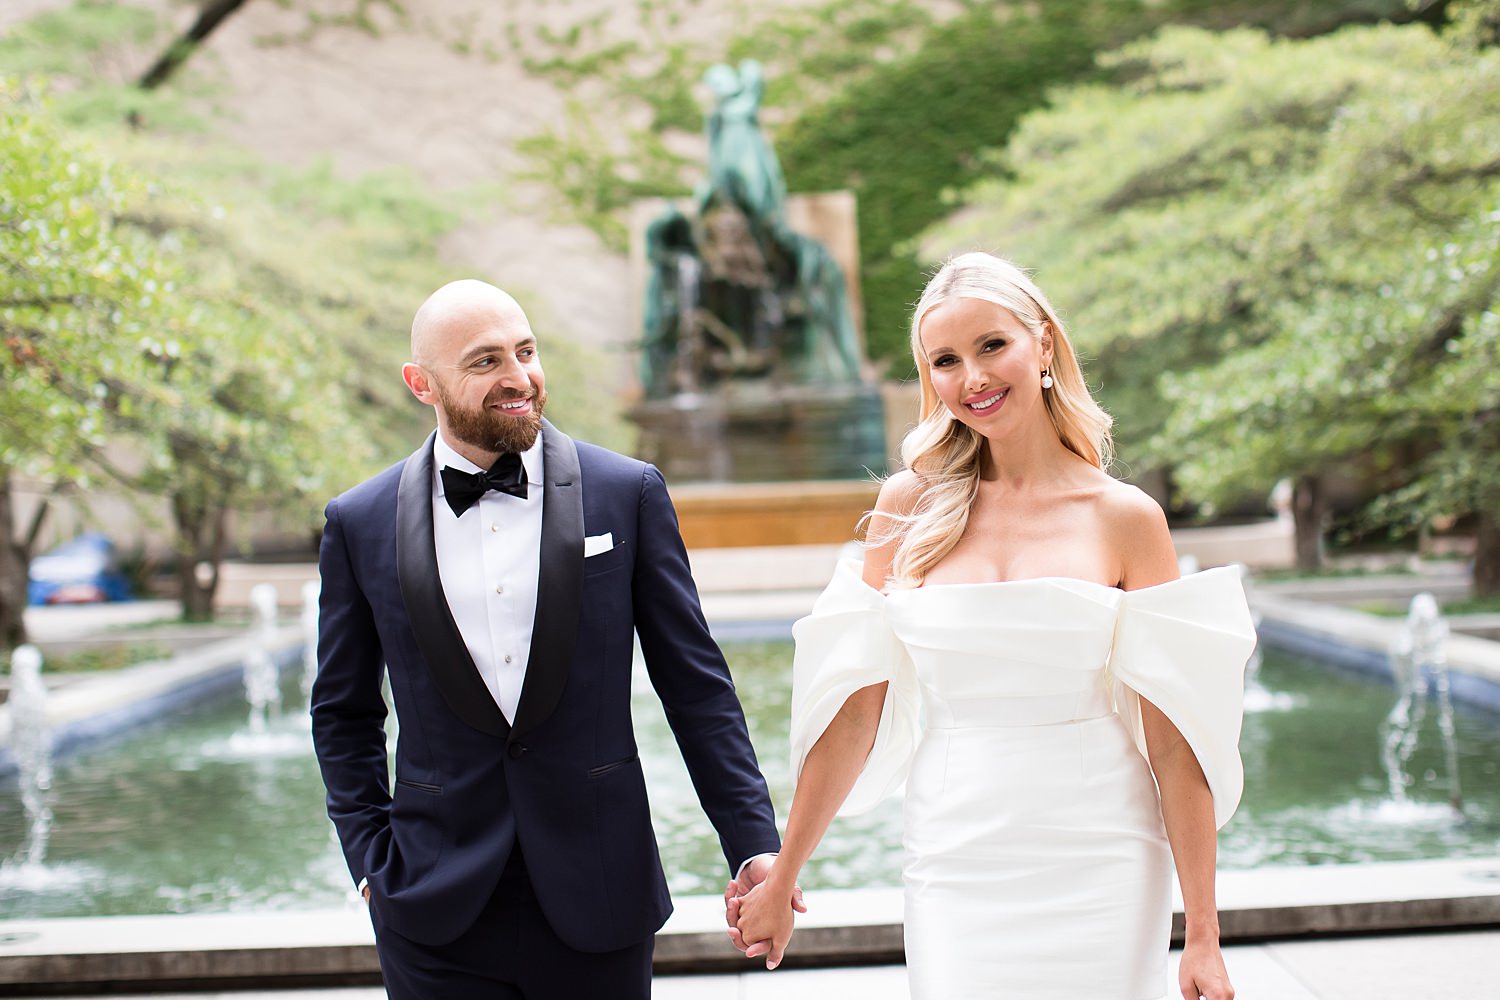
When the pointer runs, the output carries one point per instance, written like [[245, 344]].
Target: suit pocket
[[421, 786], [603, 769], [606, 562]]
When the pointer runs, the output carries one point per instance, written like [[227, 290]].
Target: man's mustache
[[508, 396]]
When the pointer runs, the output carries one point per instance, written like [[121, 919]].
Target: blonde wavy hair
[[945, 453]]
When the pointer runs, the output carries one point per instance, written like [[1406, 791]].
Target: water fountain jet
[[1419, 665], [262, 679], [31, 737]]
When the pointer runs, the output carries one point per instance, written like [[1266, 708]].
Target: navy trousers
[[511, 953]]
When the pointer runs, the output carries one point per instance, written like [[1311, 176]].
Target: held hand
[[1202, 973], [764, 918], [753, 874], [366, 894]]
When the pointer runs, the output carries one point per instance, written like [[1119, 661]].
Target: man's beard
[[493, 430]]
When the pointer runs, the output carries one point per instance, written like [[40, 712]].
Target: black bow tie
[[463, 489]]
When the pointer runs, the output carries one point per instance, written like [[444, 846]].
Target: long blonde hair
[[943, 452]]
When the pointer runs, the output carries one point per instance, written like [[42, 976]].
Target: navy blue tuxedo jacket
[[565, 780]]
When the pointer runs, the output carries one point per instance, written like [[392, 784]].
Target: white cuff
[[746, 863]]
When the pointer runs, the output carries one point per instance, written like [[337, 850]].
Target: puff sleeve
[[1182, 646], [844, 645]]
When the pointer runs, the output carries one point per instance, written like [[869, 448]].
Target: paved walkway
[[1398, 967]]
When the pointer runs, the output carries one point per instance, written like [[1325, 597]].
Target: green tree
[[260, 422], [79, 300], [1281, 255], [907, 135], [153, 344]]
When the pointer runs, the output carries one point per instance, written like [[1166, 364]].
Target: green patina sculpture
[[733, 292]]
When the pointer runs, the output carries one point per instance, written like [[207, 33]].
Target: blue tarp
[[83, 571]]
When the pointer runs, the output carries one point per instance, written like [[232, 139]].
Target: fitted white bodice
[[1026, 652], [1039, 661]]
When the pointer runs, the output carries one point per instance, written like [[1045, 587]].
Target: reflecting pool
[[203, 815]]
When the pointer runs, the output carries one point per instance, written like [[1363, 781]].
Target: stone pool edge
[[1361, 642], [113, 704], [79, 956]]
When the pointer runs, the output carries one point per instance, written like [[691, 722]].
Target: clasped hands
[[760, 906]]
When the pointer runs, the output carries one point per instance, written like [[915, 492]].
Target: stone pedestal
[[760, 432]]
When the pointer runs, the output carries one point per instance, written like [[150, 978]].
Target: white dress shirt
[[488, 561]]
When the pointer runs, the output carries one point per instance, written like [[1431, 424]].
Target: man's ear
[[417, 381]]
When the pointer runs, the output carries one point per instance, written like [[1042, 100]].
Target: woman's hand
[[765, 915], [1202, 973]]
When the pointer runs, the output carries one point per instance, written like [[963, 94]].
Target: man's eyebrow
[[477, 352]]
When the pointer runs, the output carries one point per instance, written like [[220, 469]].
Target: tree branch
[[210, 16]]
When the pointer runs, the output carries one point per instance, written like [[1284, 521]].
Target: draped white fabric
[[1036, 864], [1182, 646], [844, 645]]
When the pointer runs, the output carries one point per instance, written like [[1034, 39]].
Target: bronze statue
[[734, 293]]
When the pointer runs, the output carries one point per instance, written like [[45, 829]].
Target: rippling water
[[197, 814]]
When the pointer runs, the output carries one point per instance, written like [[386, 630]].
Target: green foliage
[[909, 134], [1475, 22], [667, 91], [117, 656], [593, 182], [1284, 254], [596, 168], [106, 105], [80, 298], [69, 39], [815, 53], [890, 98], [896, 99]]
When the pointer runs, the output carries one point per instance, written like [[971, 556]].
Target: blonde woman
[[1018, 649]]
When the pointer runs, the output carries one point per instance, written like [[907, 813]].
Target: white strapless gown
[[1036, 864]]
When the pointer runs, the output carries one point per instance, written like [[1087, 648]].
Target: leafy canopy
[[1281, 254]]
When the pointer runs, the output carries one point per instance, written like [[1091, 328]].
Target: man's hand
[[753, 874], [366, 894]]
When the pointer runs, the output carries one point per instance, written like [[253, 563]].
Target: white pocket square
[[595, 544]]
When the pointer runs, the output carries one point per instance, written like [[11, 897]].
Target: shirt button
[[507, 657], [494, 527], [499, 589]]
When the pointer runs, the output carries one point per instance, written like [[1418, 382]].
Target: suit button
[[516, 750]]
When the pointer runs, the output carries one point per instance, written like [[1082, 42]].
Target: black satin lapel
[[432, 622], [559, 585]]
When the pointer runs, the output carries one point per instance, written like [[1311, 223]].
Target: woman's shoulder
[[1136, 529], [1130, 507], [900, 493]]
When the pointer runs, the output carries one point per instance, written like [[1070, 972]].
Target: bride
[[1018, 649]]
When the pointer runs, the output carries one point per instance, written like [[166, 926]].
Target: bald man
[[499, 576]]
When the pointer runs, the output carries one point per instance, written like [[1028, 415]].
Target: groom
[[499, 575]]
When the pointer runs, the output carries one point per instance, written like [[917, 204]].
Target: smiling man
[[499, 575]]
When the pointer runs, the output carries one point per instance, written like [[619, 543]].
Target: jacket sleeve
[[693, 682], [348, 709]]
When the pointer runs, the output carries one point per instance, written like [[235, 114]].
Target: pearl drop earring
[[1046, 378]]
